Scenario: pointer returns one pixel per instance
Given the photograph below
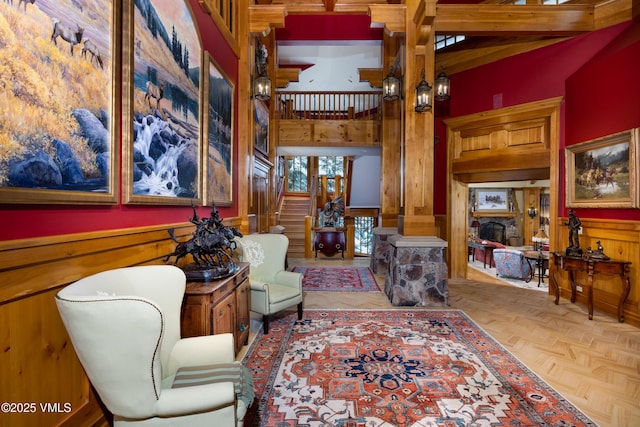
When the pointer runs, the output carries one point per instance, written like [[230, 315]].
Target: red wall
[[603, 98], [26, 221], [545, 73]]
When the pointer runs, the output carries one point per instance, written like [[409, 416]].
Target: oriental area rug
[[395, 368], [338, 279]]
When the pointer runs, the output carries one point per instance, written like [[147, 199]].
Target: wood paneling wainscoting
[[621, 241], [38, 364]]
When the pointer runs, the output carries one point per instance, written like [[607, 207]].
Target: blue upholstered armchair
[[511, 263]]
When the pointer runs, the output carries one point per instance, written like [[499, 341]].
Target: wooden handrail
[[364, 105]]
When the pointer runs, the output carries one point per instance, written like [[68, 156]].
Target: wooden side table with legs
[[592, 267]]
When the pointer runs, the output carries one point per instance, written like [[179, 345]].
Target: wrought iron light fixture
[[391, 87], [262, 87], [442, 84], [532, 212], [423, 95], [261, 84]]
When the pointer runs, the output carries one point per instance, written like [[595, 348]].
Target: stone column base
[[379, 260], [417, 273]]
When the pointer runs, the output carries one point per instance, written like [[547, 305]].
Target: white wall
[[365, 184]]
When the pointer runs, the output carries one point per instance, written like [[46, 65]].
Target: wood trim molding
[[37, 361]]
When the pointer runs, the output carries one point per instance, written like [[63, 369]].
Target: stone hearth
[[417, 273]]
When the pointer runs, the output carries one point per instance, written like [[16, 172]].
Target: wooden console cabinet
[[218, 307]]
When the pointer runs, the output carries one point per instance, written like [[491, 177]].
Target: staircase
[[294, 210]]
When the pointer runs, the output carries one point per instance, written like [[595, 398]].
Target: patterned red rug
[[395, 368], [338, 279]]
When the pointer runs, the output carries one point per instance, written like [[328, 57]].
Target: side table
[[592, 267], [537, 260], [485, 248]]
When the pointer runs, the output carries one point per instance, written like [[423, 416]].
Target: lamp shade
[[540, 236]]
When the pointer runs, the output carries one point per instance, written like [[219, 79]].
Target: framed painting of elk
[[218, 131], [58, 111], [602, 173], [162, 99]]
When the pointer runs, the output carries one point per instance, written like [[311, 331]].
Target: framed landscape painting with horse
[[602, 173], [58, 108]]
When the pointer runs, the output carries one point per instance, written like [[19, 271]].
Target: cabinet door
[[194, 319], [243, 293], [224, 315]]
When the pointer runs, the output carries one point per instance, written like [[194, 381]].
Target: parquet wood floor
[[594, 364]]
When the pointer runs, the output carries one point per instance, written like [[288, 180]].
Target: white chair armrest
[[257, 285], [203, 350], [188, 400], [289, 278]]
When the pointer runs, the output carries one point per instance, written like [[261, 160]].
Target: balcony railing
[[365, 105]]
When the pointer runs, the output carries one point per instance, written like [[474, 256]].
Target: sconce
[[261, 84], [262, 88], [391, 87], [442, 83], [532, 212], [423, 95]]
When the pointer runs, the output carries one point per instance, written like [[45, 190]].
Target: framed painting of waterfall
[[59, 101], [218, 131], [162, 101]]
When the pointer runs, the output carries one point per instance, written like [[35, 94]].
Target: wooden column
[[391, 159], [531, 225], [418, 218]]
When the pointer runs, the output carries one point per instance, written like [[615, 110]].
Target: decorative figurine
[[332, 212], [211, 248], [598, 253], [574, 225]]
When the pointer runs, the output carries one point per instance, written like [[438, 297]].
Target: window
[[443, 41], [363, 235], [331, 166], [297, 174]]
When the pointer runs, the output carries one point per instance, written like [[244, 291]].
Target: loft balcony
[[329, 118]]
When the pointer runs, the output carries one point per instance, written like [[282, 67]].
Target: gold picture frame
[[602, 173], [162, 104], [60, 132]]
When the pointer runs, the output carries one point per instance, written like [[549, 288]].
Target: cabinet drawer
[[222, 291]]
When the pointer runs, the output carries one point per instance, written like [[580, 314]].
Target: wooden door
[[260, 194]]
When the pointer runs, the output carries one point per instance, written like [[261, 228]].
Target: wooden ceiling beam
[[423, 19], [284, 76], [503, 19], [262, 18], [391, 16], [372, 75]]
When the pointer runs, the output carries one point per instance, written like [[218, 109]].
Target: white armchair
[[125, 327], [273, 288]]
